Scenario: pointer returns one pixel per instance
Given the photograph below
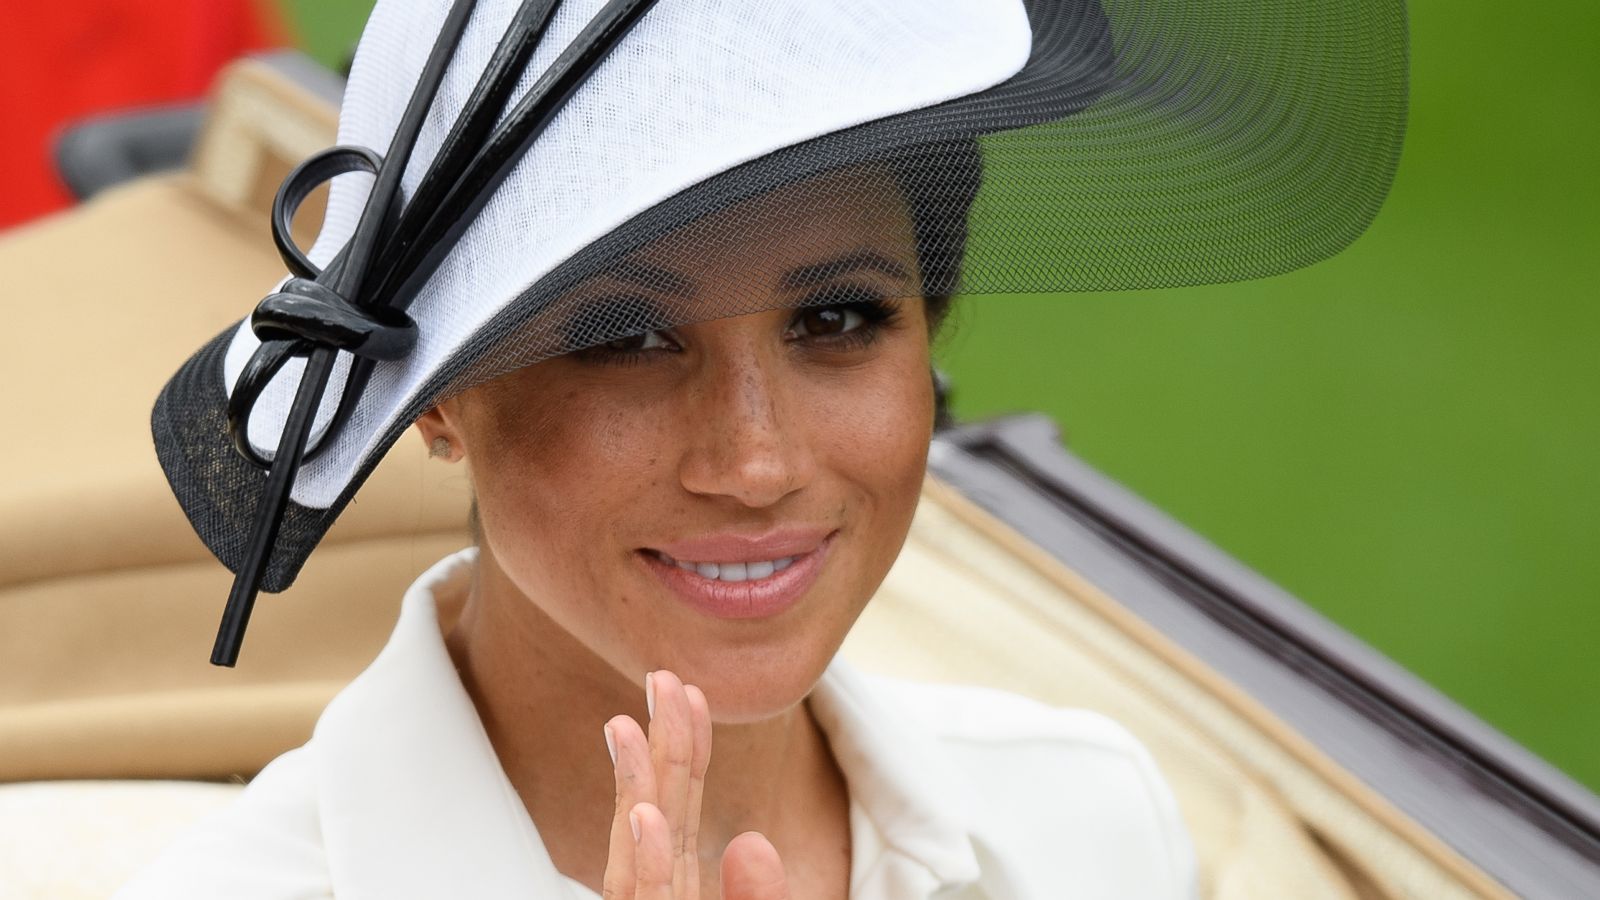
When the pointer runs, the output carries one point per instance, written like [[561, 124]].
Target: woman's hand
[[655, 852]]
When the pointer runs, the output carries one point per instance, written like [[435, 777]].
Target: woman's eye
[[650, 340], [635, 348], [827, 321], [846, 314]]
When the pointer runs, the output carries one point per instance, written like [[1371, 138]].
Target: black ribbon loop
[[316, 171]]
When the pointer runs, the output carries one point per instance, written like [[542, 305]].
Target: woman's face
[[719, 499]]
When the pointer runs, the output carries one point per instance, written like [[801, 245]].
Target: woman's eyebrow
[[651, 278], [860, 260], [607, 318]]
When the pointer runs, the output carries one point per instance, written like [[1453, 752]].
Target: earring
[[441, 448]]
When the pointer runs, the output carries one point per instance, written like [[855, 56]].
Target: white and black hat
[[1037, 146]]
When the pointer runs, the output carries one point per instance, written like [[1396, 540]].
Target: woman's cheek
[[882, 422], [876, 430], [541, 456]]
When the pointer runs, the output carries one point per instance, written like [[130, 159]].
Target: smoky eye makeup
[[608, 319], [843, 316]]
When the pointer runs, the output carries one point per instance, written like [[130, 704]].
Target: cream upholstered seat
[[115, 731]]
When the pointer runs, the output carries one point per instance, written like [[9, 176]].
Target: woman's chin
[[752, 670], [741, 690], [751, 710]]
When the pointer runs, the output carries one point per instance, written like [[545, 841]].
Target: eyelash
[[877, 313]]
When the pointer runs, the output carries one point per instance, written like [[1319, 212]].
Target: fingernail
[[633, 819], [650, 693], [611, 745]]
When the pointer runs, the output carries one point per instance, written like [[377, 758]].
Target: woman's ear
[[441, 435]]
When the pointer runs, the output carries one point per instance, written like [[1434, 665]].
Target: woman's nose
[[746, 437]]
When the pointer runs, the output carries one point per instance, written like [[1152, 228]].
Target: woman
[[683, 349]]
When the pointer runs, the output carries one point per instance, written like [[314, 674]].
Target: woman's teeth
[[732, 572]]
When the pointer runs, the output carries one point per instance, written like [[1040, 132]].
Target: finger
[[672, 751], [635, 784], [652, 855], [751, 870], [700, 729]]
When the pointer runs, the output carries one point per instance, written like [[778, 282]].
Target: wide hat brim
[[1189, 145]]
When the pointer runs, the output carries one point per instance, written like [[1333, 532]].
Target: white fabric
[[697, 88], [961, 792]]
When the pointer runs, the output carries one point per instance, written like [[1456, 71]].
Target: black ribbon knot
[[307, 311]]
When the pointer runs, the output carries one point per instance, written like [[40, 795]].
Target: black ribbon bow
[[357, 304]]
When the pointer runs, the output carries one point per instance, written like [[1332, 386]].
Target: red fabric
[[61, 60]]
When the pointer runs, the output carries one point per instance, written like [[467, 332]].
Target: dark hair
[[940, 183]]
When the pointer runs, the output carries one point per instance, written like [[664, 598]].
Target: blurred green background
[[1407, 436]]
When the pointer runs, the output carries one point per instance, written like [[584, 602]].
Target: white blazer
[[956, 792]]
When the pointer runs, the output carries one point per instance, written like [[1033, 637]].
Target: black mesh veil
[[1144, 144]]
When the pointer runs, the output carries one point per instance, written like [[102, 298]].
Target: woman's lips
[[732, 547], [761, 592]]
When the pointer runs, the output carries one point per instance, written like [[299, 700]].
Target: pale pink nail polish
[[633, 819], [650, 693], [611, 745]]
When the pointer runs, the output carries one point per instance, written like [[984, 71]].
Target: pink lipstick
[[731, 576]]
